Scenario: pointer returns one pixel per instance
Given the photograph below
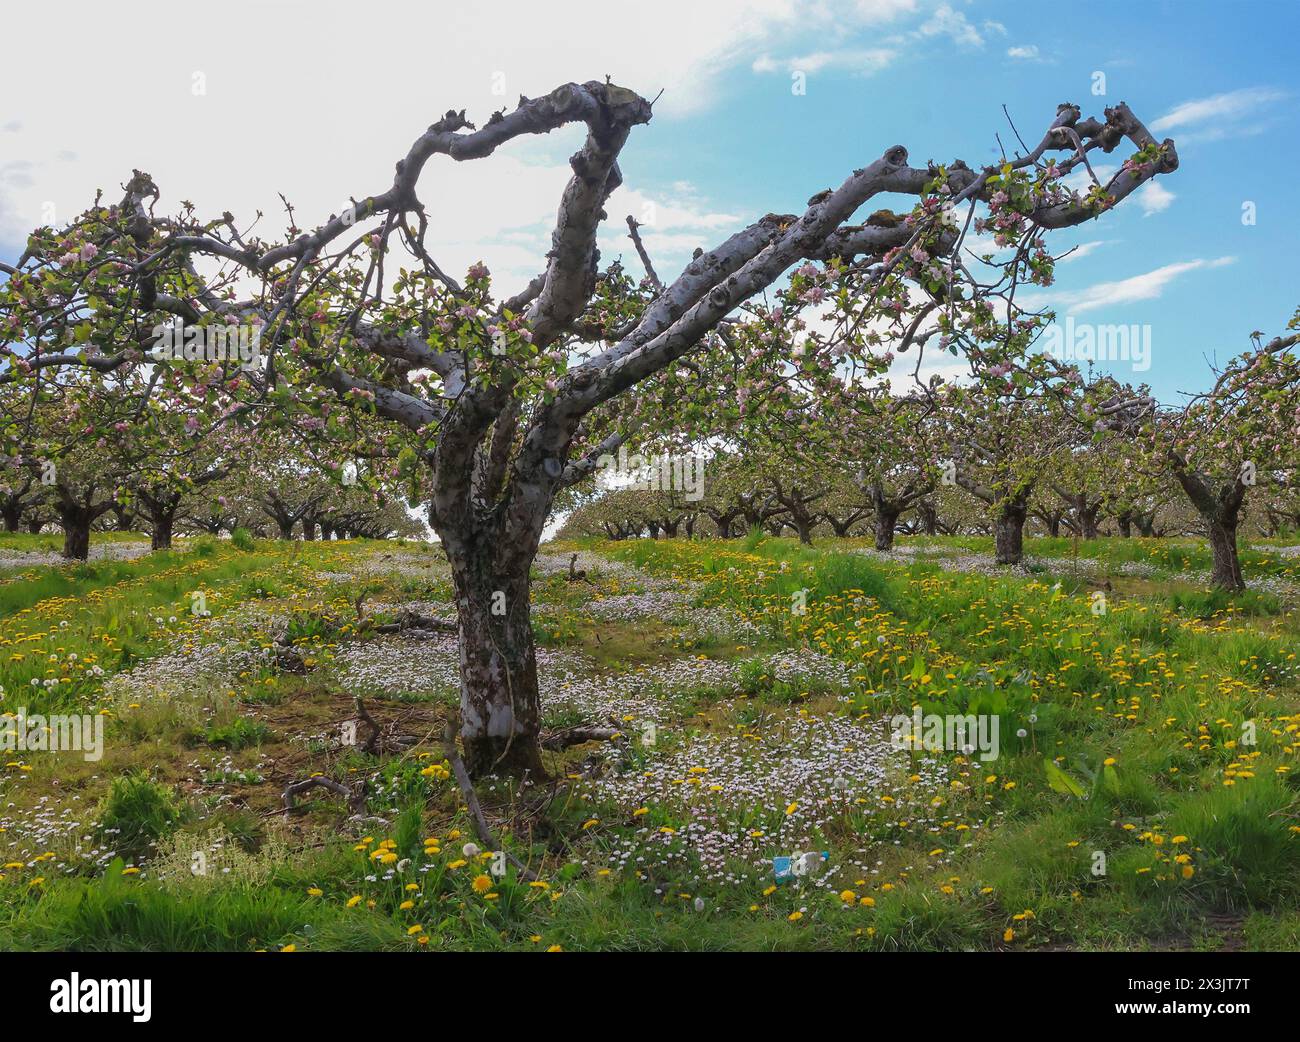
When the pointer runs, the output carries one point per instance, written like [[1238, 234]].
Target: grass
[[1143, 795]]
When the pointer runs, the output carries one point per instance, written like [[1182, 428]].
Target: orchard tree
[[1225, 442], [506, 400]]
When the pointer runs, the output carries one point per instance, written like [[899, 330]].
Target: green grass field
[[1143, 794]]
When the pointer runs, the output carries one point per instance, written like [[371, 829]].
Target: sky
[[763, 104]]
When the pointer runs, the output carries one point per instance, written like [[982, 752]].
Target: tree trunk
[[326, 531], [1009, 534], [689, 526], [161, 521], [309, 530], [1088, 521], [1223, 544], [929, 518], [76, 533], [500, 704], [286, 529], [886, 522], [670, 528], [13, 513], [34, 526], [1125, 523]]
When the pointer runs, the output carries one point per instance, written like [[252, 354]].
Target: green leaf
[[1060, 781]]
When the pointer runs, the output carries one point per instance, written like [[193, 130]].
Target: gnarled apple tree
[[502, 402]]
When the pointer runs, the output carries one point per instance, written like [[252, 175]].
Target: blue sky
[[941, 98], [730, 140]]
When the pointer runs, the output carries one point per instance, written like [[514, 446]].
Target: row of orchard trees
[[487, 406], [1016, 446], [154, 451]]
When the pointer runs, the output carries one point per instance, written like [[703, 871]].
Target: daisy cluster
[[723, 806]]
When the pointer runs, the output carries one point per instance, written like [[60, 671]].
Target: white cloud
[[1024, 52], [1230, 114], [1148, 286], [863, 62], [1154, 197], [949, 22], [329, 121], [1083, 249]]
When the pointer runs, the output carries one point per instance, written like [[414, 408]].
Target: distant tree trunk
[[326, 531], [1088, 521], [13, 515], [1125, 522], [308, 530], [1009, 532], [1223, 545], [689, 526], [929, 517], [724, 523], [161, 521], [670, 527], [886, 522], [887, 511], [35, 525], [1220, 511], [76, 522], [286, 528]]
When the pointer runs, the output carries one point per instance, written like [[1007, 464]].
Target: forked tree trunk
[[286, 528], [1220, 510], [1009, 533], [1223, 545]]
